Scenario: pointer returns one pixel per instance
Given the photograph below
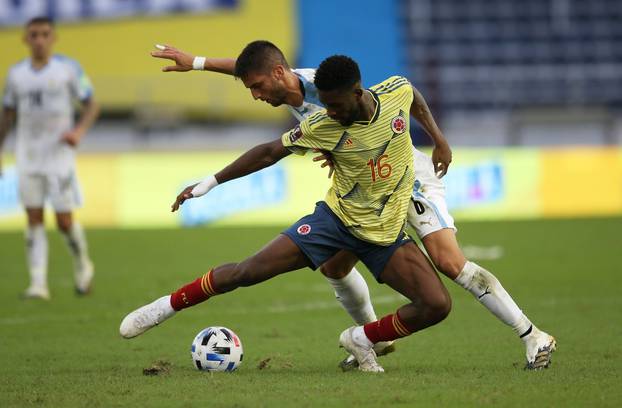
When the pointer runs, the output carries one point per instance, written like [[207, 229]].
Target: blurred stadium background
[[529, 95]]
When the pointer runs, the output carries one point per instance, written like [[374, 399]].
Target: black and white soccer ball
[[217, 349]]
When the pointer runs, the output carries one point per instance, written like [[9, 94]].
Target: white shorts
[[63, 192], [427, 212]]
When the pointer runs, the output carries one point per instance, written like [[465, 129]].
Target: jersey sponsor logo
[[348, 143], [295, 134], [398, 124], [304, 229]]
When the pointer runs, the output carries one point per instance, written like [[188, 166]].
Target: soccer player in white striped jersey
[[40, 92], [270, 79]]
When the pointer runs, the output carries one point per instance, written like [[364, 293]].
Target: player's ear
[[278, 71], [358, 92]]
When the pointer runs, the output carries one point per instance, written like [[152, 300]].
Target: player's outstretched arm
[[257, 158], [441, 155], [7, 120], [187, 62]]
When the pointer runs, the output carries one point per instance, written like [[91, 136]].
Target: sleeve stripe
[[393, 88], [316, 118], [390, 82], [383, 87]]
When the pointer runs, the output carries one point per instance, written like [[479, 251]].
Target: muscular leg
[[350, 287], [410, 273], [279, 256], [37, 253], [444, 251]]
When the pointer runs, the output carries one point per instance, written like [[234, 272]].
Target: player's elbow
[[274, 151]]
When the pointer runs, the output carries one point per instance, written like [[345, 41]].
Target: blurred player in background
[[40, 93], [364, 212], [269, 78]]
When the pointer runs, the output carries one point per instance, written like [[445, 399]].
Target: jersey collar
[[376, 111]]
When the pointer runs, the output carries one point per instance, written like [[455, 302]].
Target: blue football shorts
[[322, 234]]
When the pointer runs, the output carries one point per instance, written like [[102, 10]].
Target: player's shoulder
[[19, 66], [319, 122], [67, 62], [305, 74], [396, 83]]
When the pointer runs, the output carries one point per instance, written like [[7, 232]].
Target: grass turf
[[67, 352]]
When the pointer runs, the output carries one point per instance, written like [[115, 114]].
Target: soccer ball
[[217, 349]]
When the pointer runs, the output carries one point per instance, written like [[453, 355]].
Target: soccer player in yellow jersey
[[365, 210], [265, 72]]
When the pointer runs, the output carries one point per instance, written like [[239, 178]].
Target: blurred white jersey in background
[[44, 100]]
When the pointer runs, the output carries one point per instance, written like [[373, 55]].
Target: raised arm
[[186, 62], [257, 158], [441, 155], [7, 120]]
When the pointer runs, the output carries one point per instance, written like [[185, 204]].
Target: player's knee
[[64, 226], [334, 271], [449, 266], [438, 307], [64, 222]]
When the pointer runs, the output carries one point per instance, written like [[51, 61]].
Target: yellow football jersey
[[373, 162]]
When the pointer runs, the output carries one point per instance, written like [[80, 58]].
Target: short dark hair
[[336, 73], [40, 20], [258, 56]]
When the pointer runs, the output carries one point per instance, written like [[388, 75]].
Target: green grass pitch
[[565, 274]]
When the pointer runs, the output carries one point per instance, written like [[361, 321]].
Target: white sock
[[164, 303], [76, 240], [353, 294], [488, 290], [360, 338], [37, 255]]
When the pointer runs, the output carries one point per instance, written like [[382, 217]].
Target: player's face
[[268, 87], [40, 38], [343, 106]]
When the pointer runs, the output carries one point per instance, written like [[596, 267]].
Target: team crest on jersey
[[304, 229], [295, 134], [398, 124]]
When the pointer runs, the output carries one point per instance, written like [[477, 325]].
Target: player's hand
[[327, 160], [72, 137], [183, 60], [186, 194], [441, 157]]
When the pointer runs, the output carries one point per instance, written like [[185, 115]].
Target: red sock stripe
[[399, 325], [390, 327], [207, 284], [194, 292]]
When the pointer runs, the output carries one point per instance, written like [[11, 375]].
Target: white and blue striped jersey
[[44, 100], [311, 103]]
